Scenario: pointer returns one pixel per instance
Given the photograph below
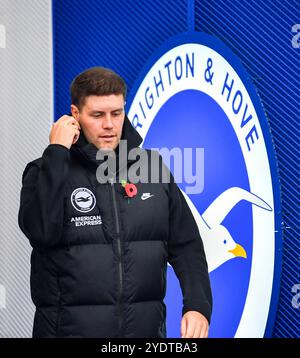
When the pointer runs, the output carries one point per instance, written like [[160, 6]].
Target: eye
[[116, 114], [225, 241]]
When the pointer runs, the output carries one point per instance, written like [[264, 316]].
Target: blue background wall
[[123, 34]]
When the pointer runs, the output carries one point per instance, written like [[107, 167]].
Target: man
[[100, 251]]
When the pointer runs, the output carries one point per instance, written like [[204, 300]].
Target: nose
[[107, 122]]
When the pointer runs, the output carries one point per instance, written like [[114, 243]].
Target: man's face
[[101, 118]]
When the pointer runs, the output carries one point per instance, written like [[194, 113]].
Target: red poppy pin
[[130, 189]]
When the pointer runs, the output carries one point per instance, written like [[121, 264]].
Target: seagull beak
[[239, 251]]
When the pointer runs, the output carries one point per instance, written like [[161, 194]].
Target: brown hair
[[96, 81]]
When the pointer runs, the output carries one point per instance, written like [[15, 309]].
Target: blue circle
[[192, 119], [177, 137]]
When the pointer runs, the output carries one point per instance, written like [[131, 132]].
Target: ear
[[74, 111]]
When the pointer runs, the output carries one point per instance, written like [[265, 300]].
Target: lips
[[107, 137]]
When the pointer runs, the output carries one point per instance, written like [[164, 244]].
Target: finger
[[76, 131], [76, 136], [204, 331], [183, 327], [75, 139], [197, 332], [64, 120], [71, 120], [77, 124], [190, 328]]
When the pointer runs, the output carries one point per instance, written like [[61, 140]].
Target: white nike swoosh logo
[[146, 196]]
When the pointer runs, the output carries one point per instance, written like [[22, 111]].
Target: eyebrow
[[114, 110]]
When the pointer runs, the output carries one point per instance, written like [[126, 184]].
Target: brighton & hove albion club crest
[[83, 200], [194, 93]]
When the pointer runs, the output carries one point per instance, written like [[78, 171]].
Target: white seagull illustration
[[2, 296], [218, 243]]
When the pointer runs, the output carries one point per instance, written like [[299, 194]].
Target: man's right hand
[[65, 131]]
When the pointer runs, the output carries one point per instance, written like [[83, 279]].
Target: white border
[[256, 309]]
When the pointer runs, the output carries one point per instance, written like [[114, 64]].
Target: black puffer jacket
[[99, 260]]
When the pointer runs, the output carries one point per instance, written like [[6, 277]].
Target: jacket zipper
[[120, 265]]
